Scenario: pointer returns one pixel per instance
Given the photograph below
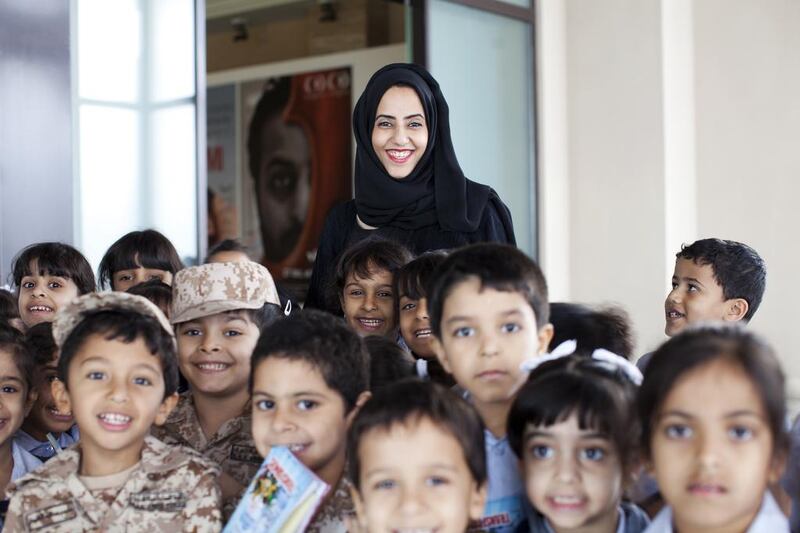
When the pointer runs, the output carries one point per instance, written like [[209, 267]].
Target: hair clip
[[288, 309], [602, 356], [422, 368]]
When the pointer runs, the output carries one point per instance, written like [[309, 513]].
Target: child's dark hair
[[124, 325], [737, 268], [322, 341], [146, 249], [54, 259], [409, 402], [497, 266], [12, 341], [602, 398], [226, 245], [698, 346], [413, 277], [9, 309], [363, 257], [608, 328], [388, 362], [156, 291], [42, 344]]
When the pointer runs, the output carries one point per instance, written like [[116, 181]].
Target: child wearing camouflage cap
[[118, 376], [218, 310]]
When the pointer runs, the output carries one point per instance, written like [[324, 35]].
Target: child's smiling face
[[294, 407], [573, 476], [214, 352], [368, 303], [42, 294], [115, 390], [415, 326], [45, 417], [712, 449], [485, 336], [402, 489], [15, 398], [697, 296]]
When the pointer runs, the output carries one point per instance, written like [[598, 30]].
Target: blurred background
[[616, 130]]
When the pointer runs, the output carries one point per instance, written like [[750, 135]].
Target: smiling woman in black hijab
[[409, 186]]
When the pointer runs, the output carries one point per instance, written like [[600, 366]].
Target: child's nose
[[369, 302], [422, 309], [708, 451], [119, 391], [567, 469], [210, 344], [489, 344], [410, 502], [281, 420]]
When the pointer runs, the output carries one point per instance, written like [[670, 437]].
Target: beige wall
[[662, 121]]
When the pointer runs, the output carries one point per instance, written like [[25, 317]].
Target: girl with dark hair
[[409, 186], [137, 257]]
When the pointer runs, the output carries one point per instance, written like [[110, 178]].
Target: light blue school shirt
[[45, 449], [505, 509]]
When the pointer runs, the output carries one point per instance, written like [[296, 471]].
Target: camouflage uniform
[[330, 517], [171, 489], [232, 447]]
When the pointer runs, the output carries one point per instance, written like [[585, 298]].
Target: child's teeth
[[114, 418], [212, 366], [297, 447]]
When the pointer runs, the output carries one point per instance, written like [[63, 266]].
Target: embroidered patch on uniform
[[167, 501], [50, 516], [245, 454]]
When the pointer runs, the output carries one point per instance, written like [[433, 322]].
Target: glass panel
[[109, 50], [523, 3], [483, 63], [110, 187], [172, 196], [172, 49]]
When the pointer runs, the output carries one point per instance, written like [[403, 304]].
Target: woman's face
[[400, 132]]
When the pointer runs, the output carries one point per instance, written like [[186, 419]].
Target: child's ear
[[166, 407], [33, 395], [441, 355], [360, 401], [359, 522], [736, 309], [477, 501], [545, 335], [61, 396], [777, 466]]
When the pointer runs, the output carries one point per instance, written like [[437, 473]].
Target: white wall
[[662, 121]]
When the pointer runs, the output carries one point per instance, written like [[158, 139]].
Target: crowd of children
[[449, 395]]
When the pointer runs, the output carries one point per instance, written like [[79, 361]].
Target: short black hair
[[124, 325], [737, 268], [55, 259], [388, 362], [227, 245], [42, 344], [264, 315], [12, 341], [9, 309], [322, 341], [607, 327], [602, 397], [410, 401], [156, 291], [497, 266], [364, 256], [698, 346], [147, 249], [413, 277]]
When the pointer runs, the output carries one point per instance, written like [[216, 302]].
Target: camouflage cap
[[68, 317], [213, 288]]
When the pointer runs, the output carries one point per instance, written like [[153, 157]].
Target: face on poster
[[294, 144]]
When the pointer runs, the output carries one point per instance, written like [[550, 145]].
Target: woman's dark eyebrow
[[390, 117]]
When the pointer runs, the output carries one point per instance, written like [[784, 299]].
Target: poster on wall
[[294, 152]]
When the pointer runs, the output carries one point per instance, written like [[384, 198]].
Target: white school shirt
[[770, 519]]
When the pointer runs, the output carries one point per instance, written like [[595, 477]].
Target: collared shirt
[[630, 519], [24, 462], [171, 489], [231, 447], [505, 503], [331, 516], [770, 519], [43, 449]]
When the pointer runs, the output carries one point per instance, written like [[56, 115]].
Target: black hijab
[[436, 190]]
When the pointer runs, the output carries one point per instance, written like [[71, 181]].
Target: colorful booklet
[[282, 498]]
